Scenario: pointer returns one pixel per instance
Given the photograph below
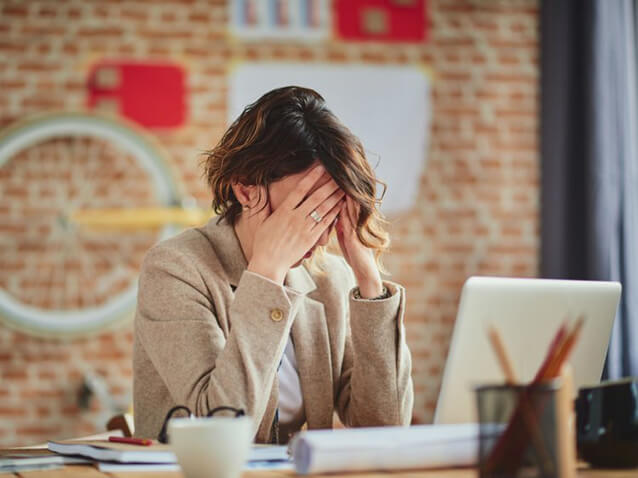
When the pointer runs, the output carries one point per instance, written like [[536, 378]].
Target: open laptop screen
[[527, 313]]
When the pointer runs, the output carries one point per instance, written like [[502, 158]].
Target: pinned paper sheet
[[387, 107], [152, 94]]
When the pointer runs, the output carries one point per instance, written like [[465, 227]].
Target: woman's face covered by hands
[[279, 191]]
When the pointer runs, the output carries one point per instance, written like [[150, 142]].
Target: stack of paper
[[385, 448], [120, 457], [16, 463], [102, 450]]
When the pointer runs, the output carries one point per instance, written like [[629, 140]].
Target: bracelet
[[384, 295]]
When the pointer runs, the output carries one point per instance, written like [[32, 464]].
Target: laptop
[[527, 312]]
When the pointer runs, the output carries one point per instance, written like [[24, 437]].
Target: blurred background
[[106, 107]]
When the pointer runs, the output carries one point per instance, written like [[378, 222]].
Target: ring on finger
[[316, 216]]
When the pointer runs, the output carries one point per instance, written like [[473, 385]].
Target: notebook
[[103, 450], [16, 463], [106, 451]]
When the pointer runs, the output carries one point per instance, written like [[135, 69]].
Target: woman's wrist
[[370, 288], [263, 268], [384, 295]]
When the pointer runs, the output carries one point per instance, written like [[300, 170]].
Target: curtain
[[589, 147]]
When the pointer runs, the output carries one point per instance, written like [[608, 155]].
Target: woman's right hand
[[286, 234]]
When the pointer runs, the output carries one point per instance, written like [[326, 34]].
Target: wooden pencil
[[501, 354], [525, 406], [564, 352], [512, 442], [555, 345]]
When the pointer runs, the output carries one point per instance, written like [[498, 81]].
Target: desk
[[82, 471]]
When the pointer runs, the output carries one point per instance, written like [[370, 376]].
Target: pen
[[132, 441]]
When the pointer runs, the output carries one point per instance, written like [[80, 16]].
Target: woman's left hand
[[359, 257]]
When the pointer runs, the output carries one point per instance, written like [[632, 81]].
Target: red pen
[[132, 441]]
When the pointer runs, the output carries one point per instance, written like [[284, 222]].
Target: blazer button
[[276, 315]]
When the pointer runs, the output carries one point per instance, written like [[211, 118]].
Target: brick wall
[[478, 201]]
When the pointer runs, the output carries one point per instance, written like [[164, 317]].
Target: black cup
[[607, 424]]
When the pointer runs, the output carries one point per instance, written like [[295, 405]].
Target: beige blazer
[[210, 333]]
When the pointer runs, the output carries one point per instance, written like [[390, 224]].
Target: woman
[[230, 315]]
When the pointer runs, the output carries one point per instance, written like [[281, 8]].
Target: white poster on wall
[[387, 107]]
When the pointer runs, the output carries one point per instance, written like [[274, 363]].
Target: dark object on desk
[[123, 422], [607, 424], [163, 434]]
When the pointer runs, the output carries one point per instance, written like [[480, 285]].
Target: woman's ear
[[247, 195]]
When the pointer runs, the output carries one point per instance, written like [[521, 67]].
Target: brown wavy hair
[[282, 133]]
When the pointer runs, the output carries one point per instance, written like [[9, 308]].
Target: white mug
[[211, 447]]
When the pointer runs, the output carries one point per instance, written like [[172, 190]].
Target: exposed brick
[[74, 12], [456, 42], [47, 11], [38, 430], [42, 30], [13, 84], [476, 211], [165, 35], [10, 374], [10, 47], [6, 412], [134, 14], [31, 394], [168, 17], [15, 10], [37, 67], [101, 31], [199, 17]]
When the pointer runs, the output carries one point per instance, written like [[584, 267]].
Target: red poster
[[382, 20], [151, 94]]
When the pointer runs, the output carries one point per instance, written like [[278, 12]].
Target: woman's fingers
[[328, 219], [345, 218], [343, 223], [352, 211], [327, 205], [304, 186], [264, 212], [341, 231], [262, 208], [318, 197]]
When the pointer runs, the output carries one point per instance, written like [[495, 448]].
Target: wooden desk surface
[[83, 471], [87, 471]]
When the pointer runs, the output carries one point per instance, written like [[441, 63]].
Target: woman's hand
[[359, 257], [285, 235]]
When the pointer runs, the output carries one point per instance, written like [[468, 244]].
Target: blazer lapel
[[309, 332], [312, 350], [227, 248]]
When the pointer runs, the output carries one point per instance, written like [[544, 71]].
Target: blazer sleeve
[[178, 328], [375, 387]]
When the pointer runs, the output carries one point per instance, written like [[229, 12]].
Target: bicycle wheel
[[56, 278]]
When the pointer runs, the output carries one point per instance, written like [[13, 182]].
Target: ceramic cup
[[211, 447]]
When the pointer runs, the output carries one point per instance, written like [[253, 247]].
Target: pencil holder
[[524, 430]]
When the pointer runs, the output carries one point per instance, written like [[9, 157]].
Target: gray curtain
[[589, 147]]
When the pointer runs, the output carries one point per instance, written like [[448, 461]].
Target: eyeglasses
[[163, 438]]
